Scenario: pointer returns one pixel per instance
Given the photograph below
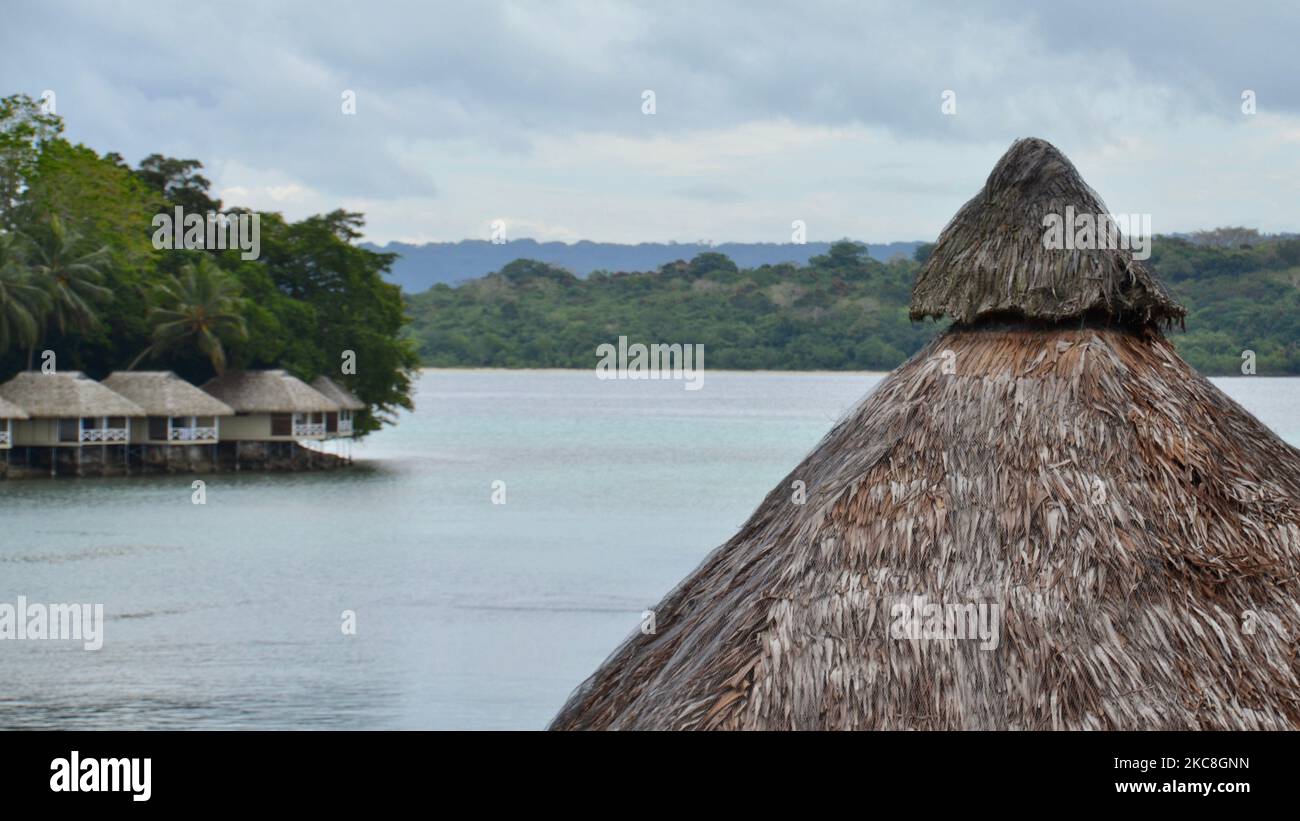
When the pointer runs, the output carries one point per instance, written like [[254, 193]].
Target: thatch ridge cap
[[991, 257]]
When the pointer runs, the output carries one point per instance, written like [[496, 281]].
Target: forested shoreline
[[84, 283], [842, 311], [81, 276]]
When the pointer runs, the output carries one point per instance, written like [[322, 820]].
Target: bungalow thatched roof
[[1132, 534], [65, 394], [163, 393], [8, 410], [991, 260], [270, 391], [338, 393]]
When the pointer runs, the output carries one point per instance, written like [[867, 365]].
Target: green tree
[[709, 262], [199, 310], [179, 182], [844, 254], [23, 303], [71, 276], [316, 263], [24, 131], [103, 203]]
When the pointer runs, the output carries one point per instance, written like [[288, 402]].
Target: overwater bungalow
[[270, 406], [180, 418], [338, 424], [69, 413], [178, 412], [1044, 520]]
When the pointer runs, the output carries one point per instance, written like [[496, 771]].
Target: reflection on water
[[468, 614]]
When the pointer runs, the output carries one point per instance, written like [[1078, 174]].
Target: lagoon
[[468, 614]]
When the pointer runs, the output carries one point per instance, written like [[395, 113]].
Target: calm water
[[469, 614]]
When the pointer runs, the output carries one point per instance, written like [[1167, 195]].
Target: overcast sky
[[532, 113]]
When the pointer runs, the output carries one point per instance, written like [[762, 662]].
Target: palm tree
[[71, 279], [198, 308], [23, 303]]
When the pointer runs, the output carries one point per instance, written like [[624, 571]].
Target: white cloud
[[827, 113]]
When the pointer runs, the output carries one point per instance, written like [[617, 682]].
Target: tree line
[[841, 311]]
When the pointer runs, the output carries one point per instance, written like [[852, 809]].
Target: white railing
[[103, 434], [193, 434], [4, 437], [317, 429], [345, 427]]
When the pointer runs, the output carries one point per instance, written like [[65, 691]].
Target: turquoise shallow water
[[469, 614]]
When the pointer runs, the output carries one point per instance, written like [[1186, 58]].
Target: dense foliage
[[80, 276], [841, 311]]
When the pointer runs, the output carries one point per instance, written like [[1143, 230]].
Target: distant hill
[[842, 311], [422, 266]]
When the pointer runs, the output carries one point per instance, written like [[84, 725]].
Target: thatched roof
[[990, 261], [163, 393], [338, 393], [65, 394], [271, 391], [8, 410], [1132, 532]]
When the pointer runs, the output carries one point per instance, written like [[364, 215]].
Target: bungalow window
[[69, 430], [180, 421], [332, 422], [158, 428], [205, 422], [317, 418], [281, 424], [116, 422]]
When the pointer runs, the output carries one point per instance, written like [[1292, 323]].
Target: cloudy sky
[[532, 113]]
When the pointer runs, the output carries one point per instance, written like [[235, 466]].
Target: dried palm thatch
[[65, 394], [1137, 531], [991, 261], [163, 393], [271, 391], [345, 399]]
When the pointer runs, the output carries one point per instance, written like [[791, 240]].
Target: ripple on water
[[110, 551]]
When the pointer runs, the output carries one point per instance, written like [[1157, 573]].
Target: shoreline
[[481, 369], [769, 372]]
